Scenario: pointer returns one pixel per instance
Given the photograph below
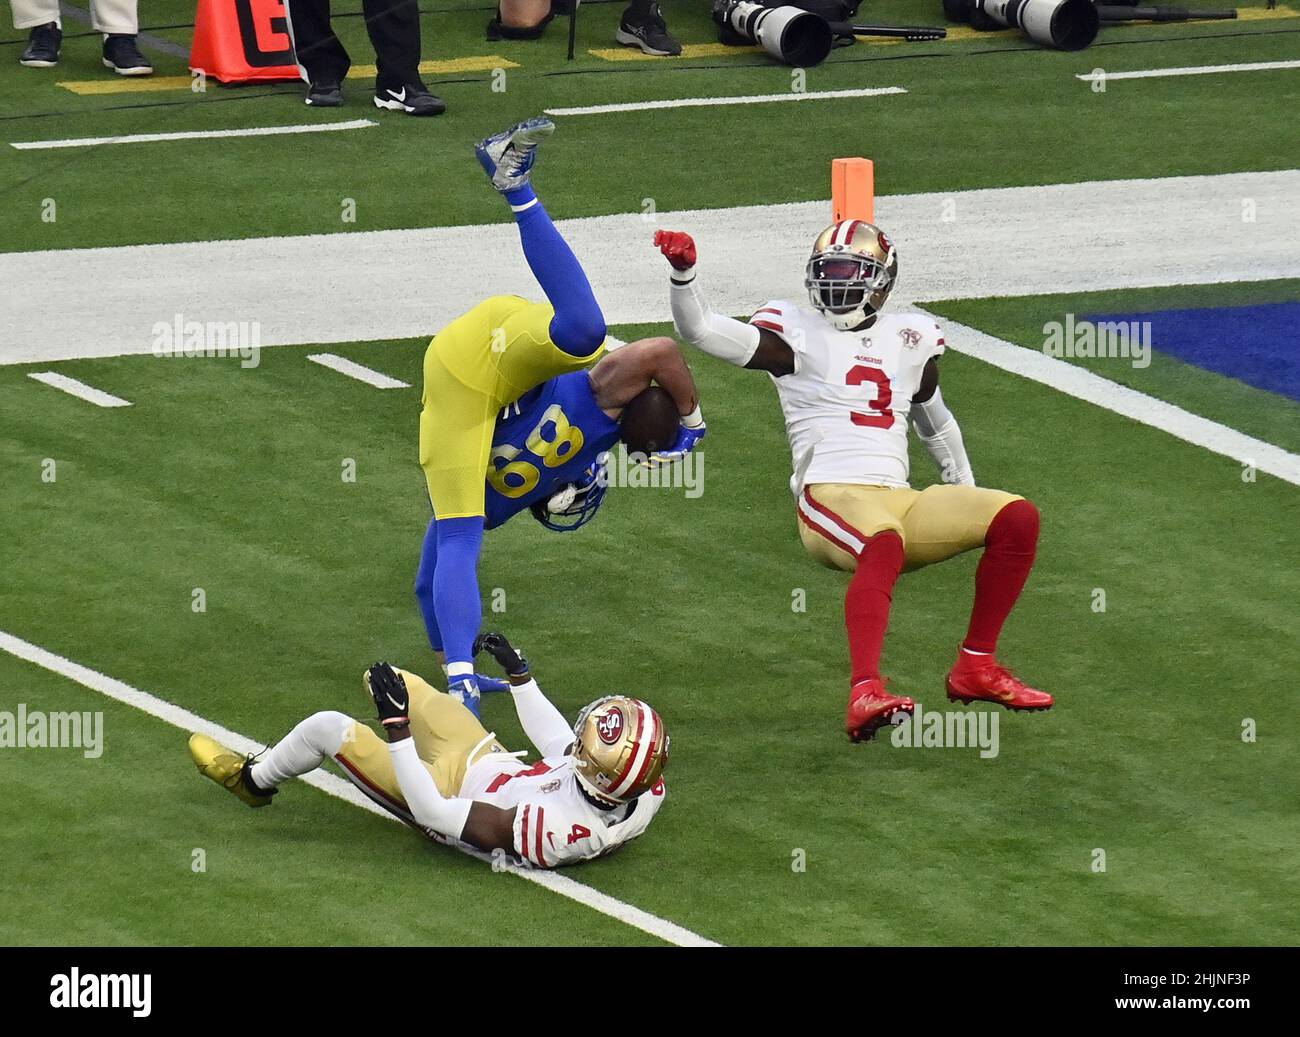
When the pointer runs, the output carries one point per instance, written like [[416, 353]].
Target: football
[[650, 421]]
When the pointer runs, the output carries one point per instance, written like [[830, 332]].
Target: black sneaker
[[645, 27], [42, 46], [413, 98], [325, 93], [123, 56]]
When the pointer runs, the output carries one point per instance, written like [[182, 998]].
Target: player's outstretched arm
[[544, 725], [724, 337], [938, 429]]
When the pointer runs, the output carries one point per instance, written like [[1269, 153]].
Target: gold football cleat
[[226, 767]]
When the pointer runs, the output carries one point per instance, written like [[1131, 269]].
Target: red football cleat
[[980, 678], [870, 708]]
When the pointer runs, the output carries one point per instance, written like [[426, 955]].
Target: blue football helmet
[[576, 504]]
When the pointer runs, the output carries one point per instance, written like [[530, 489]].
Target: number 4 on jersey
[[578, 832]]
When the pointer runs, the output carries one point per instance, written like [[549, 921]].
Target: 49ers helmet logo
[[610, 726]]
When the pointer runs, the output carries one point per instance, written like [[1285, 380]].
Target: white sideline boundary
[[1187, 70], [360, 372], [709, 102], [1092, 388], [78, 389], [332, 785], [147, 138]]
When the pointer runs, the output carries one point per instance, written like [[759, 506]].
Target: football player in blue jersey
[[549, 451]]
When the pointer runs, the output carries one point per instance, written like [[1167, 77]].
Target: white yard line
[[79, 389], [1188, 70], [358, 371], [144, 138], [708, 102], [332, 785], [954, 245], [1120, 399]]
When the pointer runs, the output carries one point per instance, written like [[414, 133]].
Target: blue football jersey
[[543, 442]]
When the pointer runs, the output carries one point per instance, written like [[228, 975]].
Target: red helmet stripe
[[650, 749], [631, 758], [640, 752]]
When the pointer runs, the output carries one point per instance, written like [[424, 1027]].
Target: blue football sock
[[458, 611], [424, 585], [578, 326]]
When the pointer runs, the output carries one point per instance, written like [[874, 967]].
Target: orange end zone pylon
[[243, 41], [853, 189]]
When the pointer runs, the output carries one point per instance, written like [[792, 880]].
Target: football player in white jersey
[[597, 786], [849, 378]]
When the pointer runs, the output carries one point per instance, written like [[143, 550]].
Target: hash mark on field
[[79, 389], [1189, 70], [144, 138], [354, 370], [335, 786], [705, 102]]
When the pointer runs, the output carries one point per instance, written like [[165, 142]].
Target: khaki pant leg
[[837, 519], [445, 733], [944, 521], [366, 758]]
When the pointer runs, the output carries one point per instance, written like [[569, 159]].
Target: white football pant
[[107, 16]]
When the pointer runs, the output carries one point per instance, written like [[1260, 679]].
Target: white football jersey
[[847, 403], [555, 824]]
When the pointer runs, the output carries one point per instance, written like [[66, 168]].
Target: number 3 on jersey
[[884, 396]]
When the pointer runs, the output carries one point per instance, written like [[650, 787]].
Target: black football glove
[[388, 689], [496, 645]]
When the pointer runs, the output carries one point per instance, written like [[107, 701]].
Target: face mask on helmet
[[843, 284], [577, 504]]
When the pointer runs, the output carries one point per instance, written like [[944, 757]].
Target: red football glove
[[678, 248]]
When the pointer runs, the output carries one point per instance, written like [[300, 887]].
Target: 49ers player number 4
[[597, 786], [850, 380]]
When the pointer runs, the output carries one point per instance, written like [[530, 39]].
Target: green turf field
[[229, 479]]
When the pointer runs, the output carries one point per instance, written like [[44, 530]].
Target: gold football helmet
[[851, 272], [620, 749]]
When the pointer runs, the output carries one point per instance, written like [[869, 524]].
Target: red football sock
[[1009, 548], [866, 603]]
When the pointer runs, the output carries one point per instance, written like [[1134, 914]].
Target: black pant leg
[[319, 51], [394, 27]]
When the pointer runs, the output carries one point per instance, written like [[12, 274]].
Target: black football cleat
[[325, 93], [411, 98], [123, 56], [643, 26], [43, 44]]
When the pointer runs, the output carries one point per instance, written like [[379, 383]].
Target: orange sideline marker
[[853, 189]]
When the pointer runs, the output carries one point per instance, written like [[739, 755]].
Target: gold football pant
[[837, 519], [445, 733], [479, 363]]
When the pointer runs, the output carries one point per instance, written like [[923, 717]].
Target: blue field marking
[[1259, 345]]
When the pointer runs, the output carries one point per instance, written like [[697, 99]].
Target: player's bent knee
[[579, 336], [327, 731], [1016, 522]]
